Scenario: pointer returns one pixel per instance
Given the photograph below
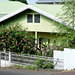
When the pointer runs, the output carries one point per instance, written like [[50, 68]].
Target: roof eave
[[34, 9]]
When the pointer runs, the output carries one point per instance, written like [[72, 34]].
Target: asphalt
[[24, 72]]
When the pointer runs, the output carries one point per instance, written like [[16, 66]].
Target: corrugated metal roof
[[50, 9], [46, 10], [47, 13], [7, 7], [48, 1]]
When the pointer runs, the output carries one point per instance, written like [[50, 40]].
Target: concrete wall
[[68, 55]]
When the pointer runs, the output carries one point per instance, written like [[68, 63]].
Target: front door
[[40, 42]]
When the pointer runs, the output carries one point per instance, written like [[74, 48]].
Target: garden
[[23, 41], [14, 39]]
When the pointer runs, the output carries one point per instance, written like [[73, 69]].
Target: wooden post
[[0, 59], [10, 57], [35, 37]]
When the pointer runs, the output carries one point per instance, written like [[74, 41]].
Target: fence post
[[0, 59], [10, 57]]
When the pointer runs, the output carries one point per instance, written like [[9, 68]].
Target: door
[[40, 42]]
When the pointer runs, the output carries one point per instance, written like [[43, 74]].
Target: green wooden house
[[38, 18]]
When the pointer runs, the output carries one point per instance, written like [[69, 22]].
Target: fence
[[68, 55], [5, 59], [25, 59], [64, 59]]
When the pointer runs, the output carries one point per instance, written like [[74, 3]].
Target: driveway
[[22, 72]]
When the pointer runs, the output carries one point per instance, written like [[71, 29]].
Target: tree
[[68, 18], [23, 1], [68, 14]]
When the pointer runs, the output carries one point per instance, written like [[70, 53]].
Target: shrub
[[30, 67], [42, 63], [48, 66], [18, 66], [16, 39], [47, 50]]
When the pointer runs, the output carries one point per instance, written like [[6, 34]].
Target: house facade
[[38, 19]]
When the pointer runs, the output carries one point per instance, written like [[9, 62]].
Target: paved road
[[22, 72]]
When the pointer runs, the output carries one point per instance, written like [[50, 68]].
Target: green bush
[[34, 67], [44, 64], [18, 66], [48, 66], [47, 49], [27, 67], [30, 67], [17, 39], [40, 62]]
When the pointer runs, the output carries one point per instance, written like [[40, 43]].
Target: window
[[36, 18], [29, 18]]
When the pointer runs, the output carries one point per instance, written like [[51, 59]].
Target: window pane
[[29, 18], [37, 18]]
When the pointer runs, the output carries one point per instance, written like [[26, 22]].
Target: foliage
[[68, 40], [68, 24], [40, 62], [16, 39], [27, 67], [43, 63], [18, 66], [48, 65], [71, 39], [23, 1], [47, 50], [68, 14], [30, 67], [34, 67]]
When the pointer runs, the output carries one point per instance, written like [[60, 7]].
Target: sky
[[29, 1]]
